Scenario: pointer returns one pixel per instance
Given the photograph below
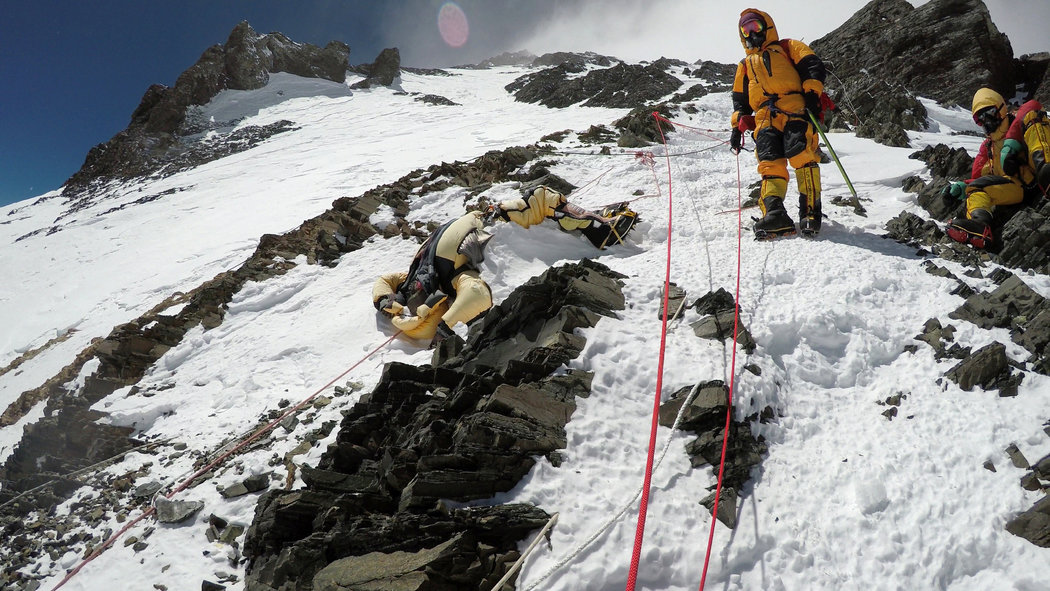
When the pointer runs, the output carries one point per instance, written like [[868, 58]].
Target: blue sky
[[72, 72]]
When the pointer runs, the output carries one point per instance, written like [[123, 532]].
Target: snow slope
[[846, 498]]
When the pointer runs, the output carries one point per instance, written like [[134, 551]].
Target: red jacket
[[987, 160]]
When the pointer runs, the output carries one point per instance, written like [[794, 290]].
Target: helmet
[[753, 29], [989, 109]]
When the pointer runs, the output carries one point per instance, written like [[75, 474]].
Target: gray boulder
[[384, 71], [1034, 524]]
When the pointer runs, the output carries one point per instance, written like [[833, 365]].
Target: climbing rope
[[632, 575], [218, 460], [608, 524], [732, 375]]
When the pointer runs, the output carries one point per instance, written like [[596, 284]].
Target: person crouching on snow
[[1010, 165]]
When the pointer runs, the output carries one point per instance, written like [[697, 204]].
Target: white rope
[[630, 503], [521, 559], [663, 453]]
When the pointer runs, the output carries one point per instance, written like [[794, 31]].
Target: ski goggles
[[752, 26], [988, 117]]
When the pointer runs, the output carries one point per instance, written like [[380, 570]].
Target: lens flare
[[452, 23]]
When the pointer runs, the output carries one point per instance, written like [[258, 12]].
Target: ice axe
[[834, 156]]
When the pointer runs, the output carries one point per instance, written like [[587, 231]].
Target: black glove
[[813, 103], [1011, 155], [384, 302], [443, 332], [954, 190], [736, 141], [389, 304]]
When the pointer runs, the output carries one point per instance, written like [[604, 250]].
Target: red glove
[[746, 123]]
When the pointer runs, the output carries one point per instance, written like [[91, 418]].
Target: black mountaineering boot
[[976, 231], [776, 221], [808, 217]]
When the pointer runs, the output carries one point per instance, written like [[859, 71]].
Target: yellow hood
[[771, 30], [986, 97]]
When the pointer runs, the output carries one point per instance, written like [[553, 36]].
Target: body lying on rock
[[443, 285]]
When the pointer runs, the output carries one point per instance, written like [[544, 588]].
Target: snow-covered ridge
[[846, 497]]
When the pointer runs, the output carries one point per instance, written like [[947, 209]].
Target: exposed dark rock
[[463, 430], [620, 86], [720, 74], [434, 99], [889, 52], [576, 59], [714, 302], [507, 58], [245, 62], [1015, 306], [640, 128], [558, 303], [706, 416], [1033, 73], [1034, 524], [726, 505], [382, 72], [1025, 237], [988, 367], [169, 511], [675, 302], [945, 162], [720, 320], [942, 338]]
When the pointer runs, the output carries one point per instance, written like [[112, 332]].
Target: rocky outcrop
[[384, 71], [703, 409], [620, 86], [1015, 306], [152, 139], [54, 446], [890, 52], [1034, 76], [464, 429], [507, 58], [1033, 524], [639, 128]]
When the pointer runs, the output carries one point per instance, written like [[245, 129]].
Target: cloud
[[631, 30]]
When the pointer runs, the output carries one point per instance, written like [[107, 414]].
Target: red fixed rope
[[639, 534], [185, 483], [732, 376]]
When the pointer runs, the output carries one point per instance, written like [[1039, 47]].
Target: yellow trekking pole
[[834, 156]]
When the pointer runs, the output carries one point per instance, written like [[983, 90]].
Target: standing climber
[[776, 83], [1011, 165]]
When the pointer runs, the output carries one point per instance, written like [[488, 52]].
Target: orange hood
[[771, 30]]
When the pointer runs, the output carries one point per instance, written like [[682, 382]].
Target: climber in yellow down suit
[[443, 286], [777, 85]]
